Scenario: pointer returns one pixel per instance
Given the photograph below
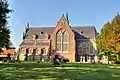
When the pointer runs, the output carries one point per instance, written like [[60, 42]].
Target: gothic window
[[80, 48], [30, 51], [22, 50], [34, 51], [37, 52], [83, 47], [59, 41], [65, 41], [86, 47], [44, 51], [62, 41], [91, 49]]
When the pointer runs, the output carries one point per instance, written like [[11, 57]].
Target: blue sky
[[48, 12]]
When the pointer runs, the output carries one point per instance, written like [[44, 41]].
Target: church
[[75, 43]]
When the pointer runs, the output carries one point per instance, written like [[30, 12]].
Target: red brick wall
[[5, 52], [71, 46]]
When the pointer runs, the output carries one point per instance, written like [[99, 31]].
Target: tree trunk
[[118, 57], [40, 57], [108, 58], [108, 53], [33, 57], [26, 57]]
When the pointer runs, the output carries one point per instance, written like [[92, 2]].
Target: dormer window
[[41, 32], [34, 36], [81, 32], [41, 35]]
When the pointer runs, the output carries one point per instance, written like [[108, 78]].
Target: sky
[[46, 13]]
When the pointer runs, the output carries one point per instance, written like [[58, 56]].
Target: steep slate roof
[[38, 30], [81, 32], [34, 43], [11, 45], [84, 32]]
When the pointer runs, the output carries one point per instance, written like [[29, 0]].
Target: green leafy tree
[[4, 31]]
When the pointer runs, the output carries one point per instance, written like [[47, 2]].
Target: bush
[[38, 61], [117, 62], [65, 60]]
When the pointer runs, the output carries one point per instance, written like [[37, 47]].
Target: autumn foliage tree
[[108, 41]]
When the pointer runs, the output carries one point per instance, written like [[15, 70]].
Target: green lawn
[[69, 71]]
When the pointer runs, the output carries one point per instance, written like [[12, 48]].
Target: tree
[[41, 55], [8, 56], [26, 55], [4, 31], [116, 33], [103, 41], [33, 54], [108, 41]]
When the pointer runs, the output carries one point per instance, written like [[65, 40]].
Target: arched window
[[59, 41], [43, 51], [65, 41], [22, 50], [37, 51], [62, 41]]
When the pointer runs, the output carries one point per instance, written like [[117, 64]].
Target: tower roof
[[11, 45]]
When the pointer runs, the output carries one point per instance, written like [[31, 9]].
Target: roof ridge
[[42, 27], [83, 26], [71, 27]]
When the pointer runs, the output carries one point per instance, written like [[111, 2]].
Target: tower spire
[[117, 14], [28, 24], [67, 17]]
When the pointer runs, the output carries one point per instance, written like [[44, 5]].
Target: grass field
[[69, 71]]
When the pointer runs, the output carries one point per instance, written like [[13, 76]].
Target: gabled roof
[[81, 32], [84, 32], [38, 30], [35, 43], [11, 45]]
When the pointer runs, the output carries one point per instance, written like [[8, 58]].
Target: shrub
[[117, 62]]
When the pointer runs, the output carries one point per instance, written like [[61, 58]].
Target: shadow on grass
[[69, 71]]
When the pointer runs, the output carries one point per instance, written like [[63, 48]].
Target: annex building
[[75, 43], [11, 51]]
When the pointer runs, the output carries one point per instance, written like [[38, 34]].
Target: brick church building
[[75, 43]]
